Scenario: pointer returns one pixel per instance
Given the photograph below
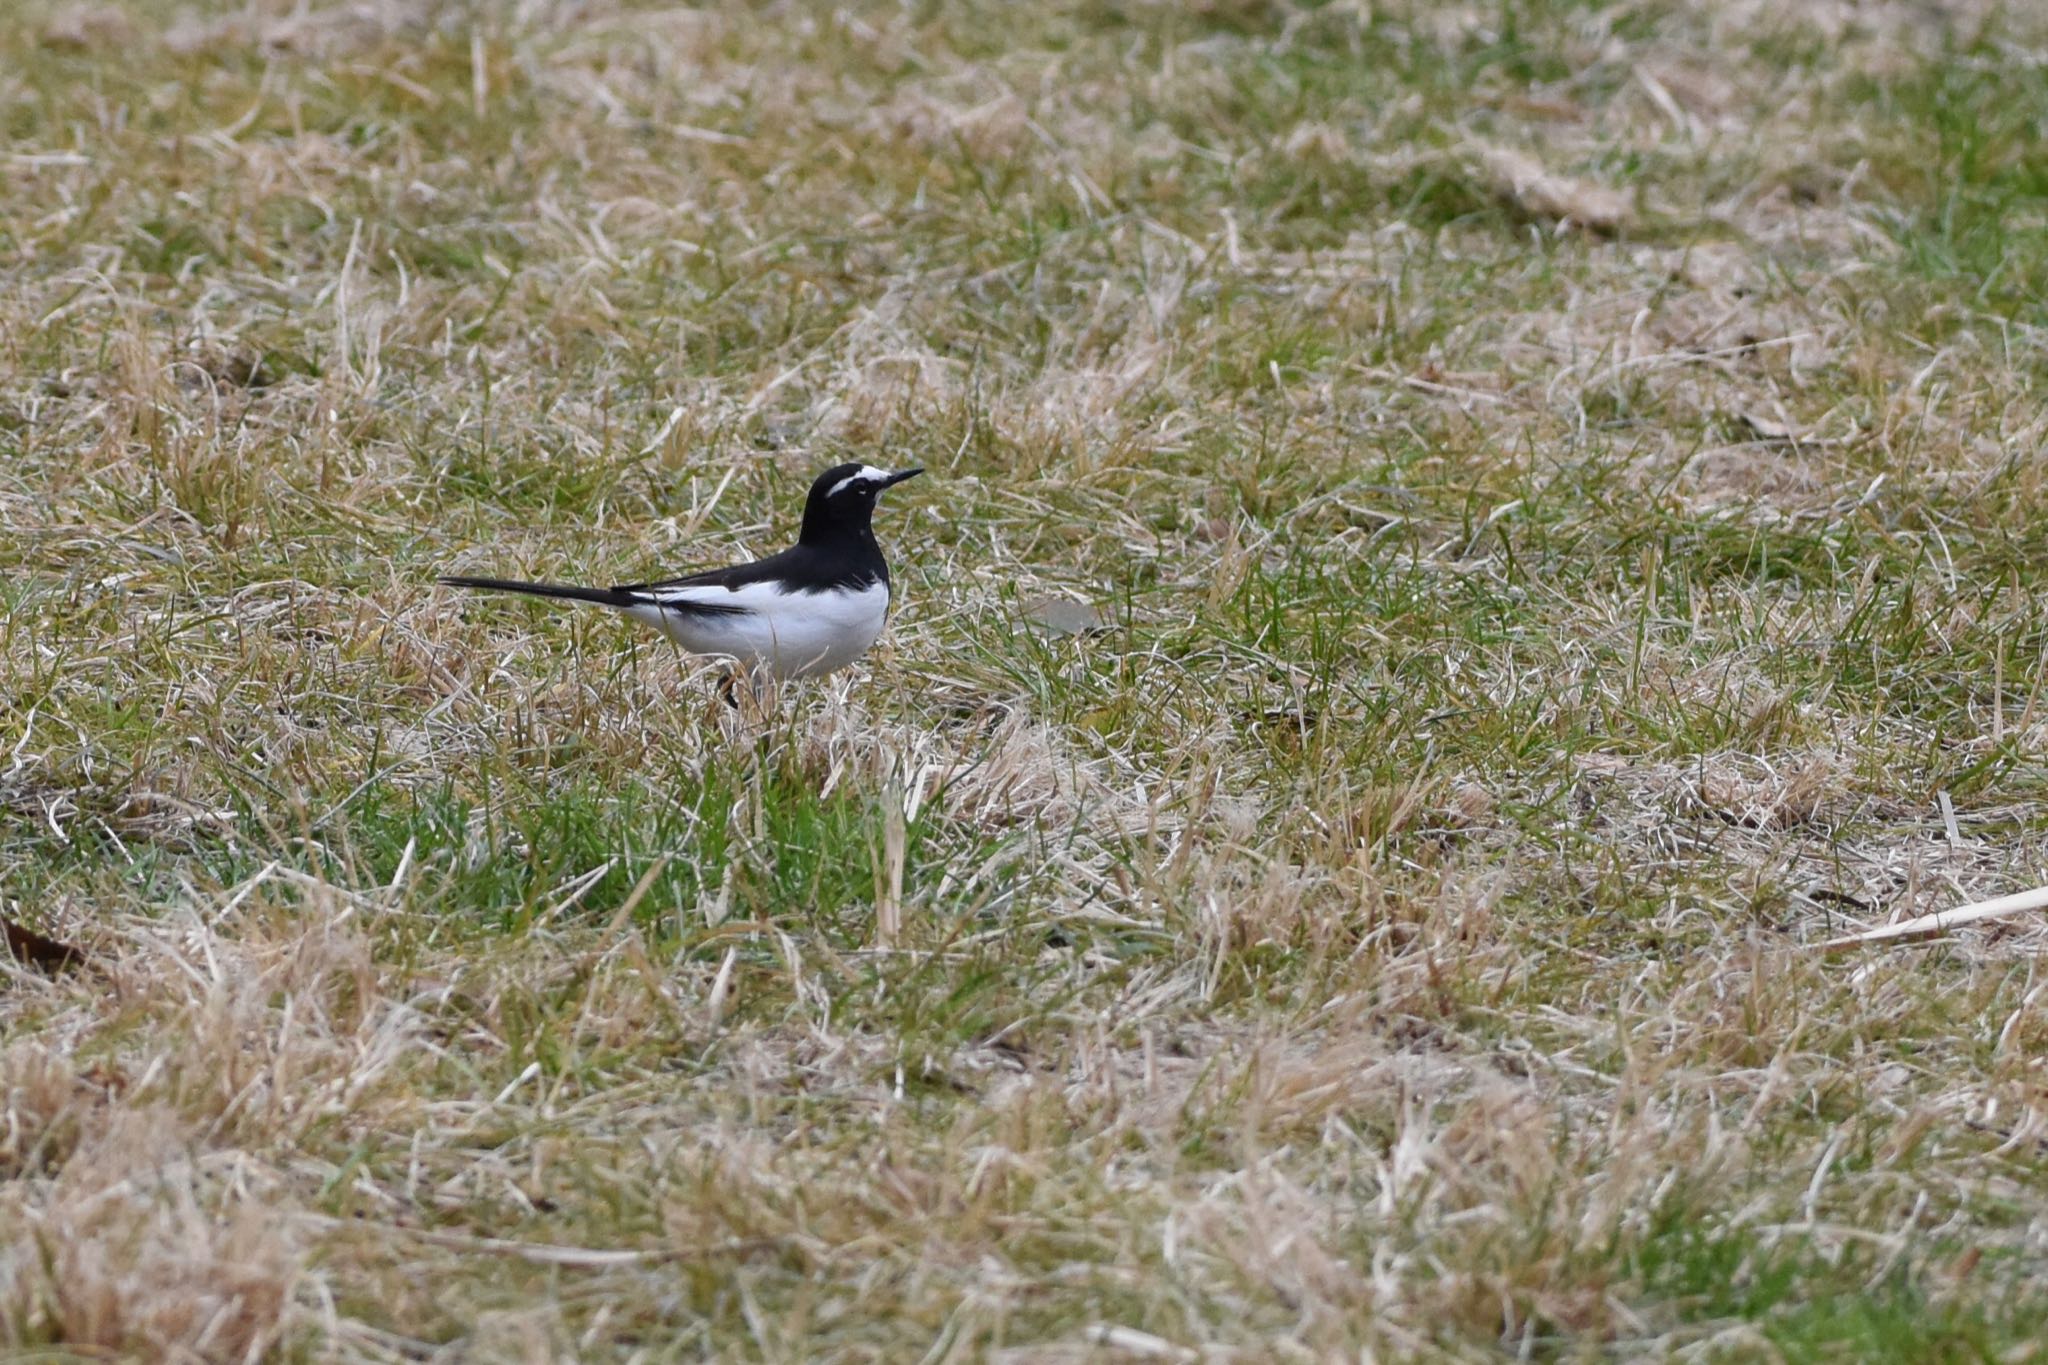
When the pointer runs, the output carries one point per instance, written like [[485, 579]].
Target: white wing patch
[[867, 473], [748, 597]]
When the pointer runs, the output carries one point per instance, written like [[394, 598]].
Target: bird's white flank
[[794, 634]]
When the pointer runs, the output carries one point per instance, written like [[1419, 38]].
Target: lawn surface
[[1561, 489]]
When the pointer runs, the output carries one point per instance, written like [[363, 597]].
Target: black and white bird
[[815, 607]]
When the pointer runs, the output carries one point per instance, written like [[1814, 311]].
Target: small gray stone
[[1060, 616]]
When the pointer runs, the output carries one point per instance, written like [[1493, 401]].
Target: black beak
[[899, 476]]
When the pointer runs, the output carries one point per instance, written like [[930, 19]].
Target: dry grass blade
[[1939, 922], [1542, 193], [889, 864], [568, 1257], [1139, 1345]]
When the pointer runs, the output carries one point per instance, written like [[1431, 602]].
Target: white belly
[[794, 634]]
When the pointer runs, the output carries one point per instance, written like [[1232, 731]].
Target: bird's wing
[[715, 592]]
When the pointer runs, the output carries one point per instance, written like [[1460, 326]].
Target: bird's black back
[[835, 550], [800, 568]]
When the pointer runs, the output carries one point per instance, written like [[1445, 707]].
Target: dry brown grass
[[1558, 485]]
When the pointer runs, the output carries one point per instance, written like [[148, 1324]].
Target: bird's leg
[[749, 691]]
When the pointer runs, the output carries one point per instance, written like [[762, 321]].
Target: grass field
[[1561, 487]]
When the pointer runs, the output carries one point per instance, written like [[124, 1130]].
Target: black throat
[[840, 546], [837, 543], [826, 525]]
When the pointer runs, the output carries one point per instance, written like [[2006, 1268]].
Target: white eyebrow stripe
[[866, 471]]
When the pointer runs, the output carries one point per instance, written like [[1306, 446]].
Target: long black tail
[[604, 597]]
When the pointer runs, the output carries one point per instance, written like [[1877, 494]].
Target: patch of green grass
[[1968, 185]]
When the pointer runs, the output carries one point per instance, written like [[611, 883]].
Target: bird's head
[[843, 498]]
